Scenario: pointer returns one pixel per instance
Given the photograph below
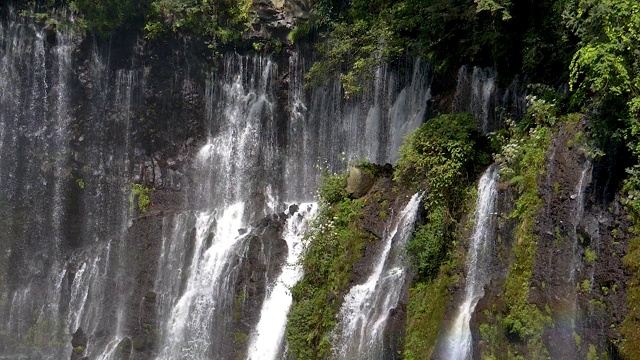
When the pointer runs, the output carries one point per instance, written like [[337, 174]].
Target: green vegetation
[[333, 244], [238, 302], [104, 17], [101, 17], [590, 256], [42, 334], [592, 353], [516, 37], [577, 339], [140, 197], [630, 329], [442, 157], [240, 338], [333, 188], [220, 22], [492, 336], [427, 304], [592, 45], [605, 75]]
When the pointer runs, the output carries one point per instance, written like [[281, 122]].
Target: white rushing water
[[267, 340], [366, 308], [191, 315], [326, 129], [481, 252]]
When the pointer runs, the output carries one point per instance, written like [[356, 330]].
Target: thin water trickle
[[578, 214], [479, 257]]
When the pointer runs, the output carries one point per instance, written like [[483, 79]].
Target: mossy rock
[[359, 182]]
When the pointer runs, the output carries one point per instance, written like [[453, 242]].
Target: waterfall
[[75, 132], [62, 181], [191, 316], [194, 316], [366, 308], [480, 255], [244, 139], [267, 340], [475, 93], [325, 129]]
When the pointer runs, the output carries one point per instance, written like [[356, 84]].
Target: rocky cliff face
[[577, 276]]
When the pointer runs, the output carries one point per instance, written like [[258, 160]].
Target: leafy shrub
[[425, 314], [368, 167], [441, 155], [590, 256], [333, 188], [140, 193], [220, 22], [428, 247]]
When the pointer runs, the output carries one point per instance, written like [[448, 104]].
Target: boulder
[[79, 339], [79, 344], [359, 182]]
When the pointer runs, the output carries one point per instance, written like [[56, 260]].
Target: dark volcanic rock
[[79, 344], [582, 237], [265, 253], [124, 349]]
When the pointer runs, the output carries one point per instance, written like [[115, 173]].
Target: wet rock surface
[[258, 268], [384, 202], [582, 239]]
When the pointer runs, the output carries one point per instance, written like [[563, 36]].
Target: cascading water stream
[[481, 253], [267, 340], [191, 317], [366, 308], [194, 307]]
